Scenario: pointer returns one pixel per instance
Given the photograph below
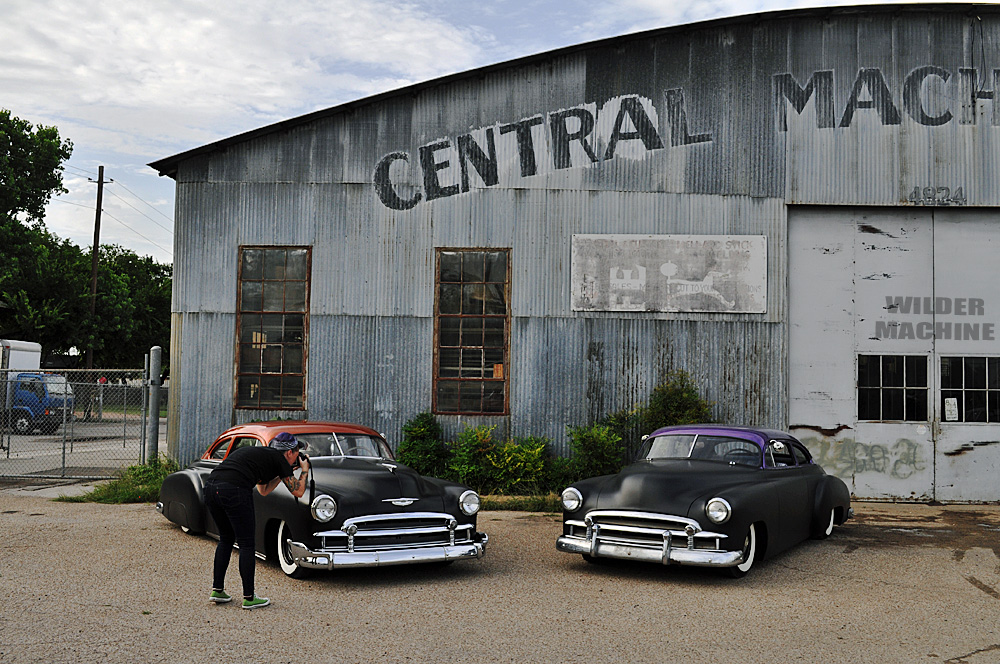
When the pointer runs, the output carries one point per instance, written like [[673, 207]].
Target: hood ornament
[[389, 466], [400, 502]]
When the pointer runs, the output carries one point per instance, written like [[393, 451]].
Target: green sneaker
[[219, 597], [256, 602]]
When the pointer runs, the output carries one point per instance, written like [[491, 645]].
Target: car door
[[791, 485]]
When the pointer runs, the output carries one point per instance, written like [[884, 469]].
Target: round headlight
[[571, 499], [468, 502], [323, 508], [718, 510]]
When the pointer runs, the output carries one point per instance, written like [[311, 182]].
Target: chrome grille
[[643, 529], [379, 532]]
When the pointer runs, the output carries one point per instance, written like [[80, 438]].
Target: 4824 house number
[[937, 196]]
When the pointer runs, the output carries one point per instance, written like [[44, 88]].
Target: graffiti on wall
[[846, 457]]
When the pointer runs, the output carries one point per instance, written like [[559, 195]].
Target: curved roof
[[764, 434], [268, 430], [168, 165]]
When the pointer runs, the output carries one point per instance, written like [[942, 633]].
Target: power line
[[140, 211], [60, 200], [169, 252], [88, 207], [137, 210], [81, 170], [151, 206]]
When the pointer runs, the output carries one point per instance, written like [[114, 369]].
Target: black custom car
[[706, 495], [362, 508]]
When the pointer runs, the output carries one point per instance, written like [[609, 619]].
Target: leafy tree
[[40, 290], [45, 297], [45, 281], [134, 299], [31, 168]]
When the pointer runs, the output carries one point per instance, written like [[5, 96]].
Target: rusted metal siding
[[731, 152], [597, 366], [922, 135]]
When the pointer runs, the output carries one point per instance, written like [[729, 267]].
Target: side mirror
[[643, 439]]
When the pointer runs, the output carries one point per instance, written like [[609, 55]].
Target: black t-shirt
[[249, 466]]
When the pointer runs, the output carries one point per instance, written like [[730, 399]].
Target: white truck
[[32, 399]]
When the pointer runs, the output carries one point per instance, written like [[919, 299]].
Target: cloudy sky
[[133, 82]]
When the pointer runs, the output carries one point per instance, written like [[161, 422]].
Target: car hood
[[669, 486], [363, 481]]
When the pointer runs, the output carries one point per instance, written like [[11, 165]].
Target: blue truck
[[32, 399]]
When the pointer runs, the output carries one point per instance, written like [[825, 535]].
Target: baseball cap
[[286, 441]]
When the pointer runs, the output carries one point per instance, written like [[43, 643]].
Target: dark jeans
[[232, 508]]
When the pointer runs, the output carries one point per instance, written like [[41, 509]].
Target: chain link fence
[[79, 424]]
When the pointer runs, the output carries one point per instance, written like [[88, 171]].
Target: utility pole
[[93, 258]]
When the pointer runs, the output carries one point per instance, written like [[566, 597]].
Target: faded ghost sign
[[671, 273], [631, 126], [623, 127], [916, 317]]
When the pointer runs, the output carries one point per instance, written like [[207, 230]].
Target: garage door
[[894, 362]]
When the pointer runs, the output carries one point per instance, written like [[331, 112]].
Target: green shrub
[[516, 467], [560, 472], [597, 450], [674, 401], [135, 484], [422, 448], [468, 458]]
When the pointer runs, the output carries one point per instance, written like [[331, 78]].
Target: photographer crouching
[[229, 498]]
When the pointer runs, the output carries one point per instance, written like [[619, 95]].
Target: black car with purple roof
[[705, 495]]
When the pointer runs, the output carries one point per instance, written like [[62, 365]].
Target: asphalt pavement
[[119, 583]]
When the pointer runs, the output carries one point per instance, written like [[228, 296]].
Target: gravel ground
[[118, 583]]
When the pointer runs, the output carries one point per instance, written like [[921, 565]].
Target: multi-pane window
[[970, 389], [892, 388], [271, 327], [471, 331]]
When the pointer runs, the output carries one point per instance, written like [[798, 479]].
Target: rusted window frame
[[505, 378], [240, 313]]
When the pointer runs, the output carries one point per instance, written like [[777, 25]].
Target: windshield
[[58, 385], [698, 446], [344, 444]]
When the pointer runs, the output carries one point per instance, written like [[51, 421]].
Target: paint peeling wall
[[913, 283]]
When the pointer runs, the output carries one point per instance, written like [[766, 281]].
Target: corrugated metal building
[[796, 208]]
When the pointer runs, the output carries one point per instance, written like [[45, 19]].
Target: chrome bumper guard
[[667, 539], [352, 545]]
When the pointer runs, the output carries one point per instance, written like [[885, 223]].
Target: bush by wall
[[469, 458], [524, 466], [597, 450], [422, 448], [518, 466], [674, 401]]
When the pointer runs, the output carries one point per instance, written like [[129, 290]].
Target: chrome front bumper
[[658, 538], [361, 542]]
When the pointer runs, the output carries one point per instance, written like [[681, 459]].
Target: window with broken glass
[[471, 331], [892, 388], [970, 389], [271, 328]]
